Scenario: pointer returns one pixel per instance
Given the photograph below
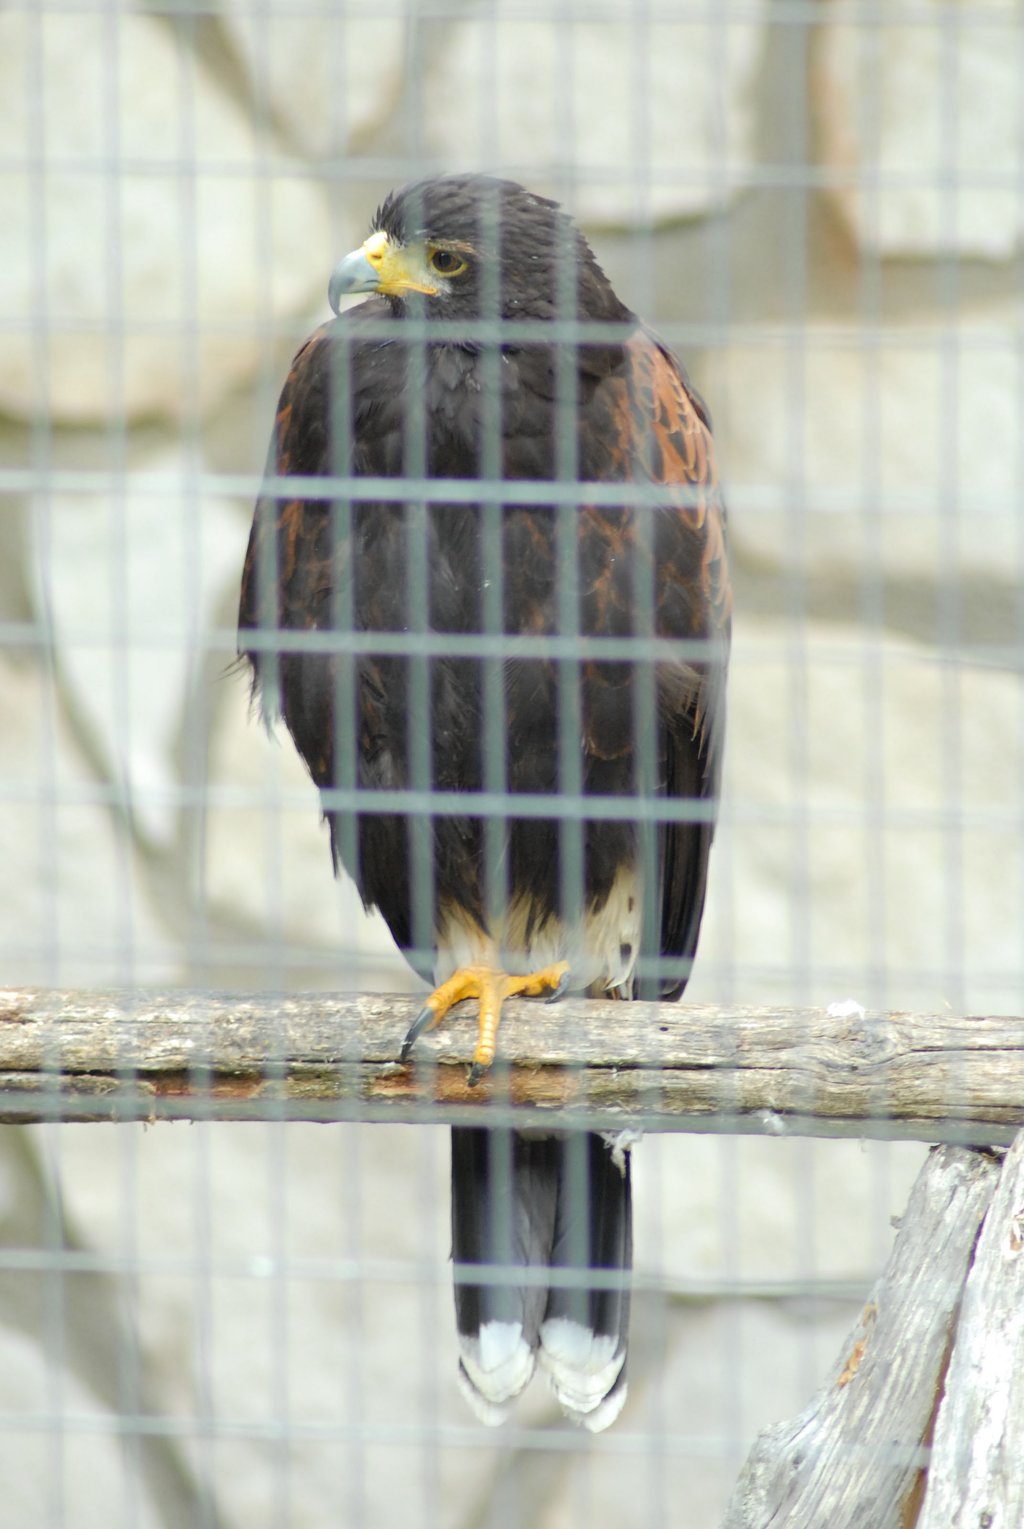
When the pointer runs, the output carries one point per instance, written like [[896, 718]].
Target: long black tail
[[541, 1202]]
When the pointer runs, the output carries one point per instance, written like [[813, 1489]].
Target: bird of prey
[[498, 637]]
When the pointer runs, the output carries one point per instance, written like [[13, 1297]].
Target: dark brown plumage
[[456, 372]]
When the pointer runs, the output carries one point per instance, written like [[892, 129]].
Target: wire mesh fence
[[819, 208]]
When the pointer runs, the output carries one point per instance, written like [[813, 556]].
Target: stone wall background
[[824, 213]]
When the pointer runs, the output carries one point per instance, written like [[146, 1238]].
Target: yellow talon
[[491, 987]]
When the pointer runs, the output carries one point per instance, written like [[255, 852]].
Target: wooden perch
[[938, 1351], [136, 1055]]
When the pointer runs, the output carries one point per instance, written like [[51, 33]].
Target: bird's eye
[[447, 263]]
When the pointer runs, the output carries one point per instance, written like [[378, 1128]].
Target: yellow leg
[[490, 987]]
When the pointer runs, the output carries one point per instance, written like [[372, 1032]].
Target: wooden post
[[857, 1454], [976, 1479]]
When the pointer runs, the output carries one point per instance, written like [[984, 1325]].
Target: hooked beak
[[378, 266], [353, 274]]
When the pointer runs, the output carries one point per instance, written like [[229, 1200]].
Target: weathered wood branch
[[858, 1454], [136, 1055]]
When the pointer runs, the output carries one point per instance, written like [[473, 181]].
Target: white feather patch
[[601, 949], [619, 1143], [582, 1366], [605, 1413], [488, 1412], [497, 1362]]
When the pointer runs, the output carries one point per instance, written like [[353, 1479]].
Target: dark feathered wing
[[662, 571], [693, 603], [320, 566]]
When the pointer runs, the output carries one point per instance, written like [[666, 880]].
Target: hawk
[[498, 636]]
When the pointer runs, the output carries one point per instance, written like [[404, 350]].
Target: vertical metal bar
[[949, 512], [52, 1303], [644, 515], [343, 620], [496, 887], [496, 871], [795, 145], [419, 530], [571, 830]]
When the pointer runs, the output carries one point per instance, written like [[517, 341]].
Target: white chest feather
[[601, 948]]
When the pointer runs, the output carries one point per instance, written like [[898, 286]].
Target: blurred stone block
[[57, 1470], [77, 906], [922, 120], [329, 79], [153, 234], [267, 856], [293, 1278], [887, 452], [127, 583], [751, 1208], [870, 843], [632, 121]]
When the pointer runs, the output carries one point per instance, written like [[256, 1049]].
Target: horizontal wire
[[432, 644], [819, 501], [527, 805], [693, 13], [723, 177], [770, 653], [277, 948], [439, 1273], [968, 336], [562, 1438]]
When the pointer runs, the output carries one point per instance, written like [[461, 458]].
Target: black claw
[[561, 990], [476, 1072], [422, 1022]]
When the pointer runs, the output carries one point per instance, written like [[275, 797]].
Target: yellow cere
[[375, 246], [400, 268]]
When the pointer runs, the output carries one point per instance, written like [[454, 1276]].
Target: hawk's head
[[474, 247]]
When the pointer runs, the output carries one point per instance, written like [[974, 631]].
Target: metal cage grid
[[819, 207]]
